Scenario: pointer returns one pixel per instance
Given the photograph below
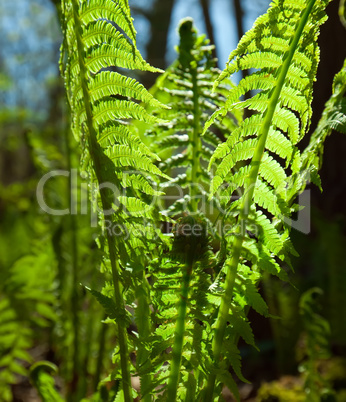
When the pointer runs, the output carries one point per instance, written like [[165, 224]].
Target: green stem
[[194, 373], [144, 331], [106, 199], [173, 381], [195, 143], [75, 294], [232, 265], [194, 192], [85, 359], [101, 351], [122, 336]]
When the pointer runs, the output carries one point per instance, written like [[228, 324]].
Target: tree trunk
[[159, 20]]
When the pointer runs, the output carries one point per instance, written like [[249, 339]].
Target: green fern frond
[[122, 156], [139, 183], [94, 44], [317, 333], [100, 40], [333, 118], [28, 300], [108, 83], [104, 9], [242, 151], [120, 134], [15, 340], [43, 381], [188, 83], [282, 50], [247, 292], [109, 306]]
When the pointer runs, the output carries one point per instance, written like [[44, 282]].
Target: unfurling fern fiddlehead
[[43, 381], [282, 46]]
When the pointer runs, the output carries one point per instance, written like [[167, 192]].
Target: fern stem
[[75, 294], [100, 355], [194, 191], [144, 331], [221, 322], [193, 375], [95, 152], [173, 381], [122, 338], [232, 265], [196, 142]]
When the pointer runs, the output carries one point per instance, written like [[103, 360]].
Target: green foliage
[[282, 47], [317, 333], [248, 146], [43, 381], [314, 355], [187, 88], [15, 341], [176, 303], [290, 392], [26, 305], [101, 102], [333, 118]]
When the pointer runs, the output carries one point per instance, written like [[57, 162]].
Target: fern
[[317, 334], [179, 296], [187, 85], [180, 280], [282, 48], [26, 305], [43, 381], [15, 342], [188, 247], [99, 38], [333, 118], [188, 303]]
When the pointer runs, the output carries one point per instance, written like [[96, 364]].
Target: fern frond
[[188, 83], [282, 50], [27, 301], [91, 51], [122, 155], [242, 151], [43, 381], [333, 118], [317, 332], [120, 134], [100, 39], [15, 340], [108, 83]]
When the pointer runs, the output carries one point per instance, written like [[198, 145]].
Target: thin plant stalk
[[75, 294], [173, 381], [195, 143], [100, 354], [144, 331]]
